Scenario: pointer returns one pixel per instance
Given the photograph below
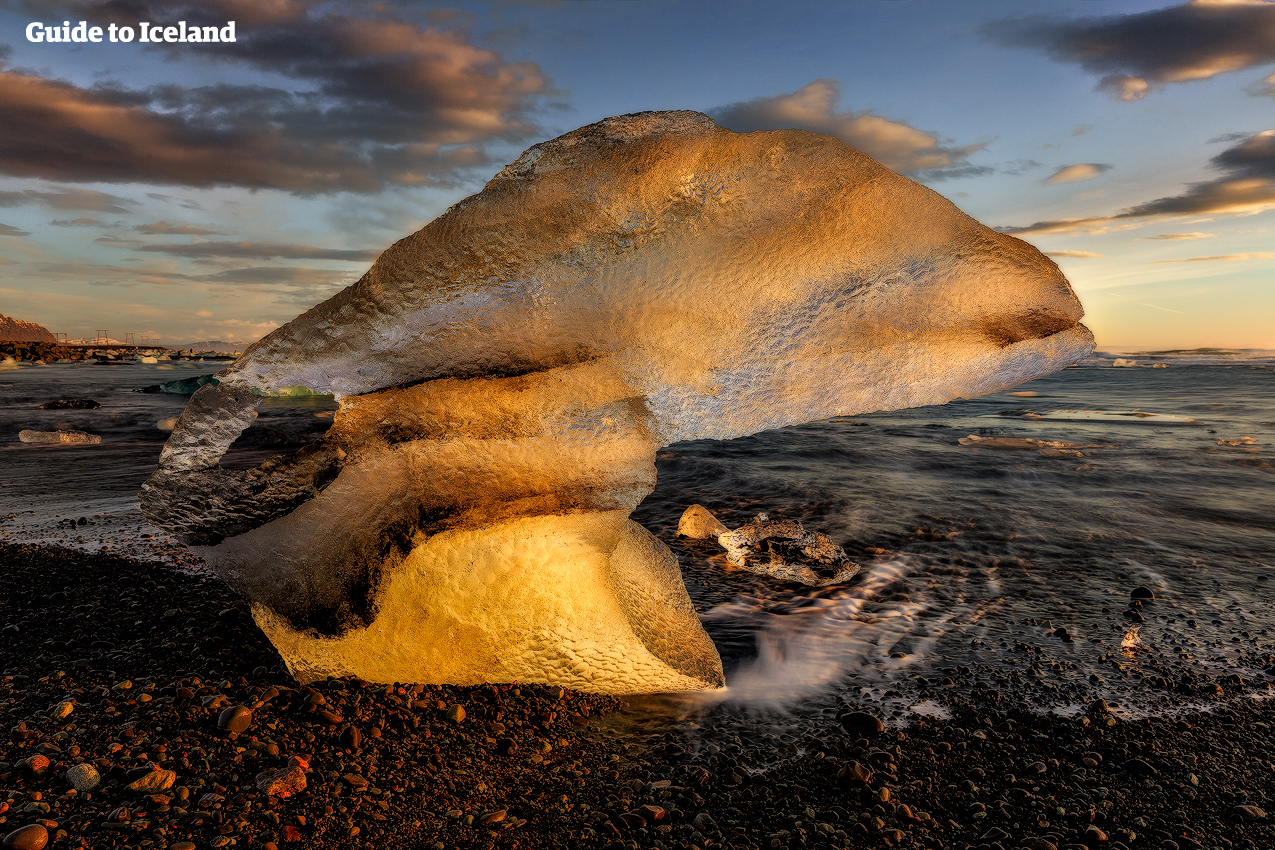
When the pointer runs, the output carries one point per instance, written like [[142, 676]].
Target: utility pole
[[130, 339], [100, 337]]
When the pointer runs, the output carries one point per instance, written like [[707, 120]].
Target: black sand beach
[[150, 659]]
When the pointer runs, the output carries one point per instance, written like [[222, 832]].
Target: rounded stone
[[35, 766], [860, 724], [1141, 592], [351, 738], [236, 719], [153, 782], [456, 713], [32, 837], [83, 777]]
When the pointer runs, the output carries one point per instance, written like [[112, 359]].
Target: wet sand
[[150, 659]]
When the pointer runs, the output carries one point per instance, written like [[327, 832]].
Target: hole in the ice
[[283, 426]]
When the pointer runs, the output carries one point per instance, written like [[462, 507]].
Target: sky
[[197, 191]]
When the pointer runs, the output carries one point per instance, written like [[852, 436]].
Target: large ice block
[[507, 373]]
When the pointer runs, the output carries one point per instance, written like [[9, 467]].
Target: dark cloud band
[[1136, 53]]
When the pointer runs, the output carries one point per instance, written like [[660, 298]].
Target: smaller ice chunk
[[1048, 448], [182, 386], [698, 523], [29, 436], [785, 550], [1120, 361]]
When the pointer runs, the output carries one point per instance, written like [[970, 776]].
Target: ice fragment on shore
[[29, 436], [1048, 448], [698, 523], [508, 373], [785, 550]]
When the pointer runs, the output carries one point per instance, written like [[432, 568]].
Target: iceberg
[[506, 375]]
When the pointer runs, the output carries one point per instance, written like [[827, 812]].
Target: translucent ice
[[29, 436], [507, 373]]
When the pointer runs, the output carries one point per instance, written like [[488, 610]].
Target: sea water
[[1019, 560]]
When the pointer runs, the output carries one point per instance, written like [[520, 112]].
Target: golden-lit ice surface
[[527, 600], [514, 366]]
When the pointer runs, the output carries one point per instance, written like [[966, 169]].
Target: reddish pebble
[[33, 837]]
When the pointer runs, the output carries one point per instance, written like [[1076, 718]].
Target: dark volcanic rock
[[860, 724]]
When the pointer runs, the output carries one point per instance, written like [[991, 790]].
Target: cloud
[[1084, 255], [5, 261], [369, 101], [1227, 258], [1195, 235], [81, 222], [204, 314], [1246, 186], [1158, 307], [1018, 166], [814, 107], [1139, 52], [252, 250], [185, 202], [179, 229], [1075, 173], [63, 199], [290, 275], [6, 230], [1263, 88]]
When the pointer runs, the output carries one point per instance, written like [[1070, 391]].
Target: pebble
[[1034, 843], [1141, 592], [153, 782], [456, 713], [281, 783], [235, 719], [860, 724], [855, 773], [351, 738], [31, 837], [83, 777], [36, 765]]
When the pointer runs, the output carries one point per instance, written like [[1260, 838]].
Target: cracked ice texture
[[507, 373]]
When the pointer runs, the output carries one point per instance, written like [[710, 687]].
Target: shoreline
[[532, 766]]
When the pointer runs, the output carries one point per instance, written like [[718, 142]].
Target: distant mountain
[[16, 330], [215, 345]]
